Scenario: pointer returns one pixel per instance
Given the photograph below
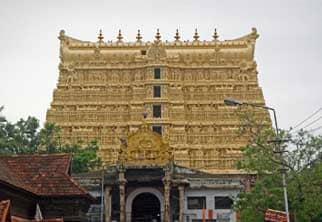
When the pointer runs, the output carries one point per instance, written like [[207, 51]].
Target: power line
[[316, 129], [312, 122], [306, 119]]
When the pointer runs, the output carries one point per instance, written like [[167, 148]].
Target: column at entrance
[[167, 187], [122, 182], [181, 202], [107, 199]]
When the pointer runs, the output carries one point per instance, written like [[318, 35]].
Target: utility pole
[[234, 102]]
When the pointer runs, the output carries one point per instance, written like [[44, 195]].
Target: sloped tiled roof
[[50, 220], [8, 176], [41, 174]]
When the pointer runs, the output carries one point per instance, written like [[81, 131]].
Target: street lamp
[[234, 102]]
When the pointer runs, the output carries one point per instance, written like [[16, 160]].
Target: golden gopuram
[[104, 87]]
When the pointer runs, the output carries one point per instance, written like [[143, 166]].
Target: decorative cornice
[[242, 42]]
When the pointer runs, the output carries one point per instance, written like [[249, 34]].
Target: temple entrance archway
[[144, 204], [146, 208]]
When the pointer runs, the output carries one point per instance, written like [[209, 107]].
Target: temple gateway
[[147, 185], [177, 163]]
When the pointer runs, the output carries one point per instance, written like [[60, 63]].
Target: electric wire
[[311, 123], [306, 119], [316, 129]]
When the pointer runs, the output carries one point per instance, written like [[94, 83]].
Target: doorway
[[146, 208]]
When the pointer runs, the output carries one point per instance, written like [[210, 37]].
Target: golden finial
[[61, 35], [119, 36], [138, 36], [158, 36], [215, 36], [196, 36], [254, 33], [177, 36], [100, 36]]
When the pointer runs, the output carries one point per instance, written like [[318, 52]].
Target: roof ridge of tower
[[242, 42]]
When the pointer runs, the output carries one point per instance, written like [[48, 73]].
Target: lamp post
[[234, 102]]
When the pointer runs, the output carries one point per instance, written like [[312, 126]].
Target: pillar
[[122, 182], [181, 202], [108, 206], [167, 187]]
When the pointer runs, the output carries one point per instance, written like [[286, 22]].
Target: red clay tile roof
[[41, 174], [19, 219], [8, 176], [50, 220], [4, 208]]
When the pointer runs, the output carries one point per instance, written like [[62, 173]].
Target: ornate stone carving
[[156, 52], [102, 92], [145, 147]]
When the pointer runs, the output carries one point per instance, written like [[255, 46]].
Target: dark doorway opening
[[146, 208]]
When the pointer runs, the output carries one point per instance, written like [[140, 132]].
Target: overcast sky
[[288, 51]]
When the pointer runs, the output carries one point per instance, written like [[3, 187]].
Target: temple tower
[[104, 87]]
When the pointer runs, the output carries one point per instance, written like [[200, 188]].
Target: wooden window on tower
[[156, 91], [156, 111], [143, 52], [157, 73], [157, 129]]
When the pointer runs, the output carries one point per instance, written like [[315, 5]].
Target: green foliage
[[48, 138], [24, 137], [84, 158], [303, 163], [18, 138]]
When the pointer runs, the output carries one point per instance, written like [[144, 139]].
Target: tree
[[84, 156], [18, 138], [24, 137], [303, 162]]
